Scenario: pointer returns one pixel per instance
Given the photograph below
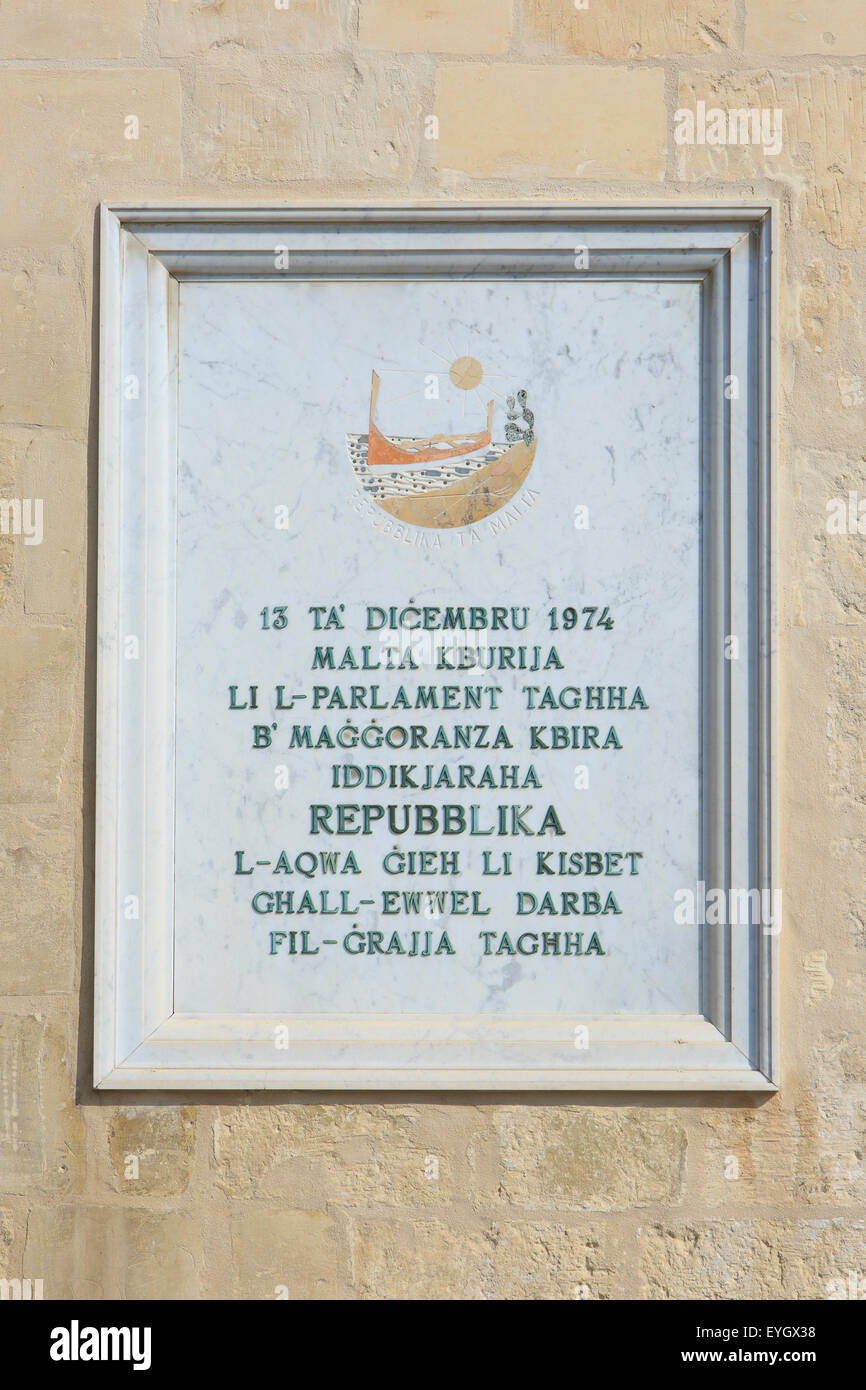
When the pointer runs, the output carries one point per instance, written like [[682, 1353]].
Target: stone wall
[[381, 1197]]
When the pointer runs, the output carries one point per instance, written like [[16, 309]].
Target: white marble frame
[[140, 1042]]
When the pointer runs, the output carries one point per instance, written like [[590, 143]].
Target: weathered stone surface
[[631, 29], [10, 544], [831, 1162], [840, 1061], [846, 854], [846, 720], [600, 1160], [41, 466], [805, 26], [87, 28], [35, 710], [6, 1242], [52, 466], [297, 26], [305, 119], [37, 904], [822, 348], [824, 302], [749, 1259], [750, 1155], [806, 649], [823, 153], [77, 121], [152, 1149], [105, 1252], [287, 1254], [13, 1230], [251, 1145], [355, 1155], [43, 369], [828, 587], [436, 26], [507, 120], [41, 1131], [502, 1260]]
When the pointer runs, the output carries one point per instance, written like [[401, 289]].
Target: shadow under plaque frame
[[145, 253]]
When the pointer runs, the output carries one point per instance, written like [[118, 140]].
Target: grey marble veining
[[273, 376]]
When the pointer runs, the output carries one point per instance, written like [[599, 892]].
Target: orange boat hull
[[382, 452], [469, 500]]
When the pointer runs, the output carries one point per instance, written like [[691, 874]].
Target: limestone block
[[152, 1149], [85, 28], [774, 1259], [41, 1131], [828, 579], [10, 544], [805, 26], [303, 119], [51, 468], [357, 1155], [629, 29], [512, 119], [36, 685], [823, 151], [114, 132], [846, 721], [37, 904], [43, 348], [439, 1260], [261, 26], [287, 1254], [435, 26], [750, 1155], [105, 1252], [598, 1160]]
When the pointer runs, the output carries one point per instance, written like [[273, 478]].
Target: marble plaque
[[435, 638]]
